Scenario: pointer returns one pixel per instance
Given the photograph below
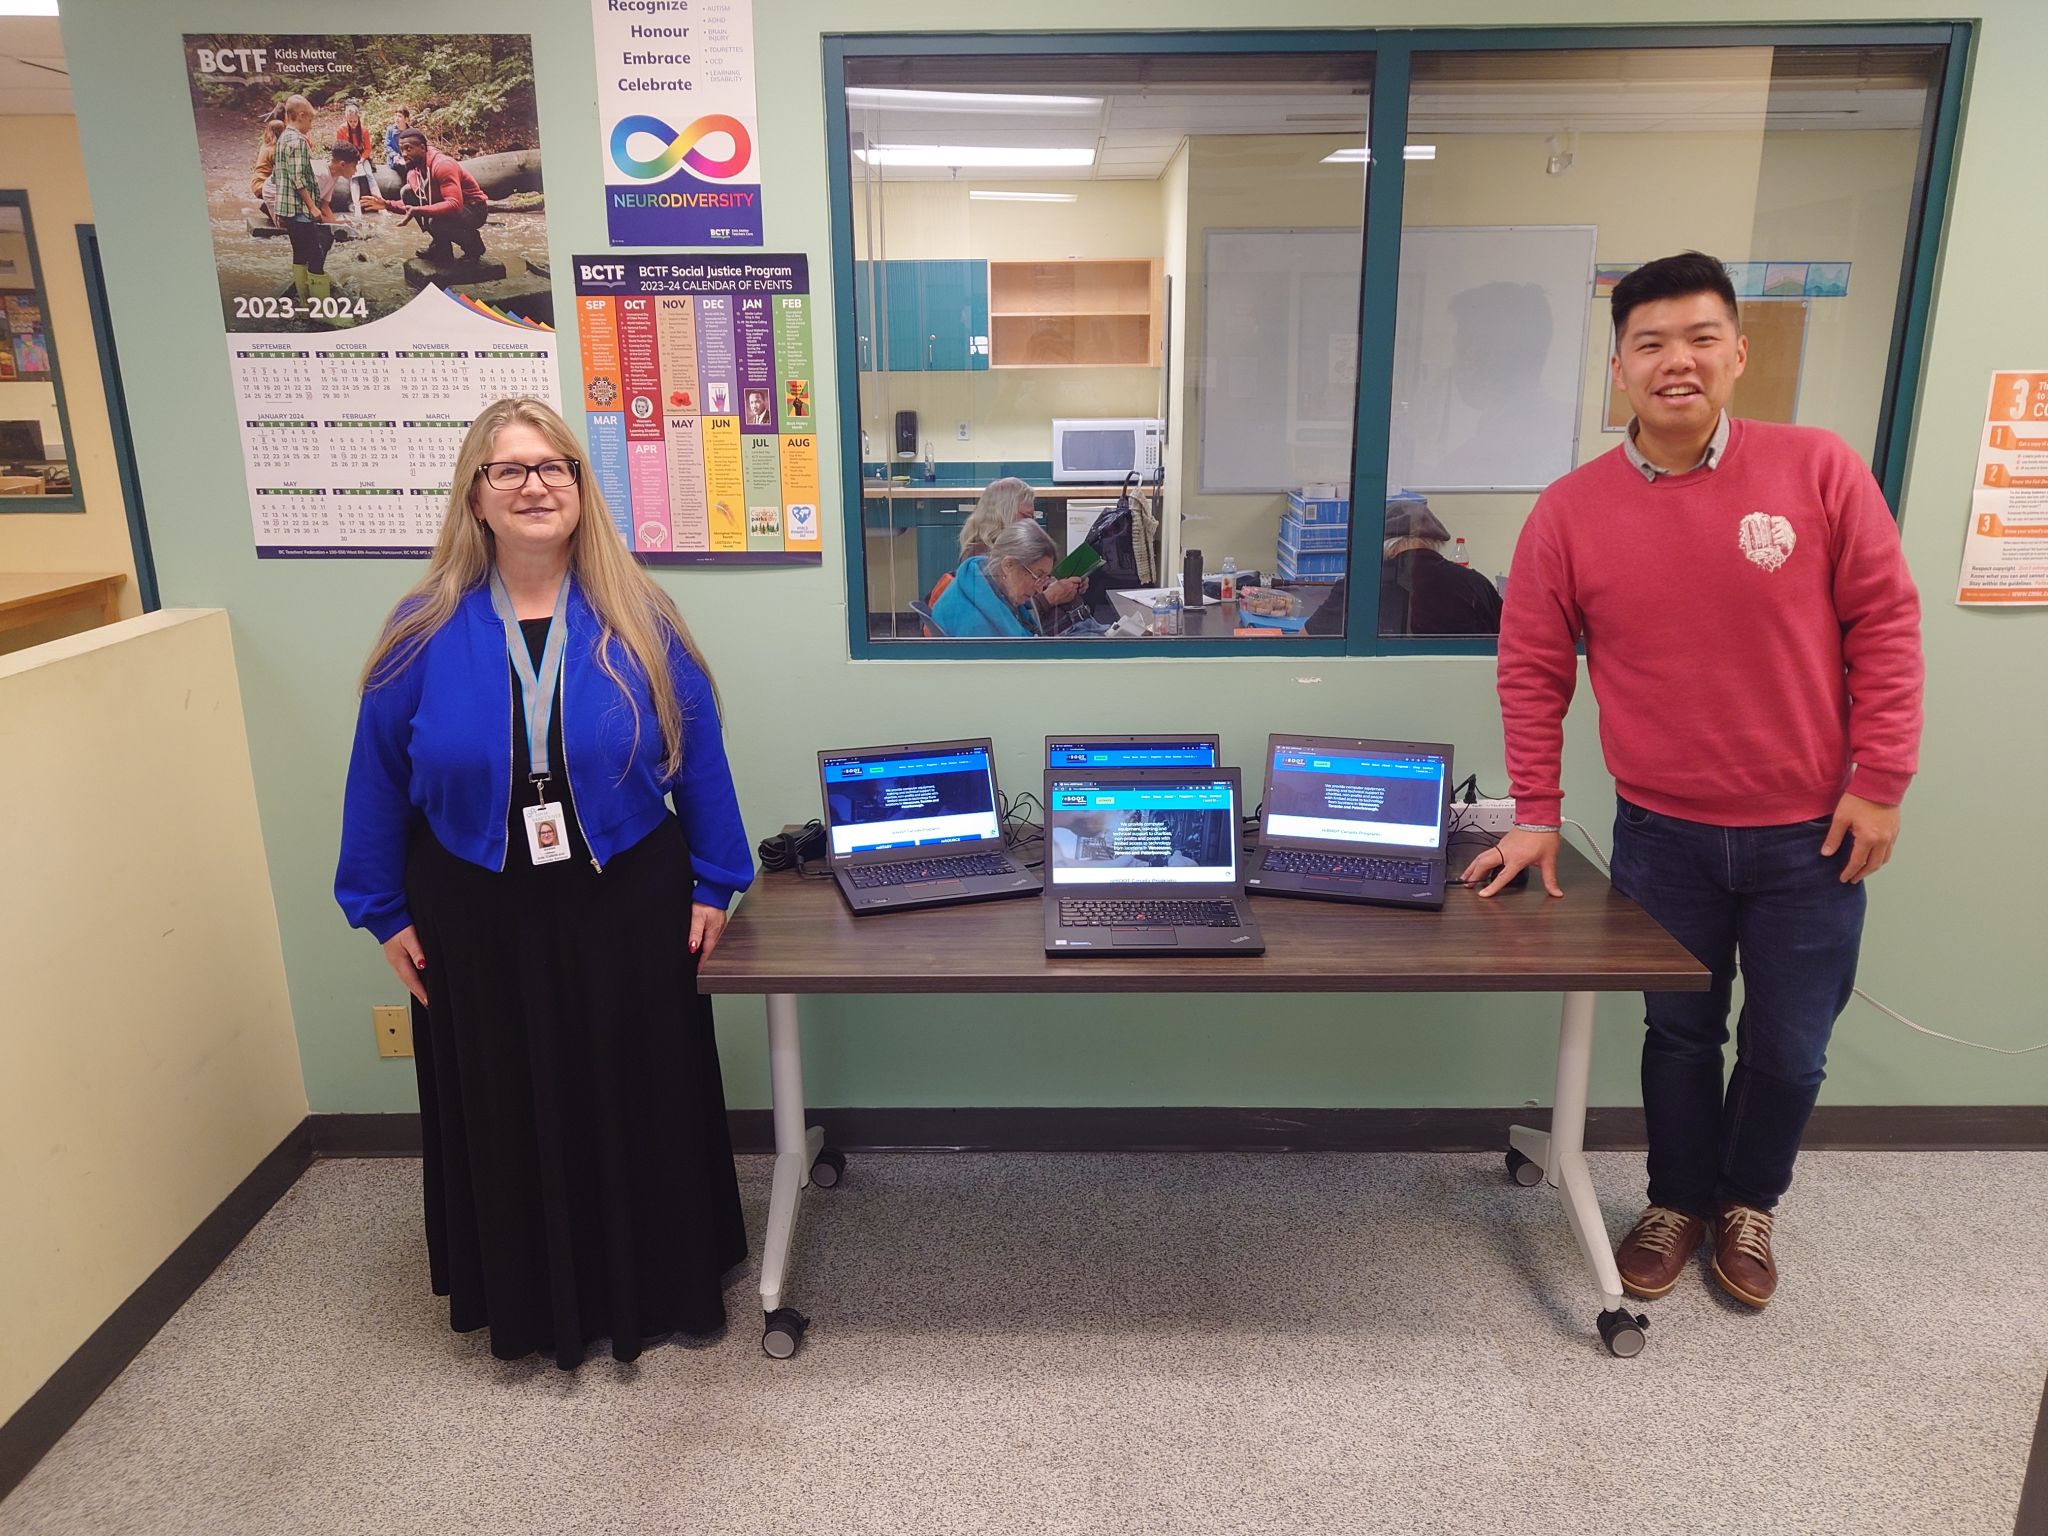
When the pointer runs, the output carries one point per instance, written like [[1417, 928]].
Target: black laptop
[[1354, 820], [1144, 861], [917, 825]]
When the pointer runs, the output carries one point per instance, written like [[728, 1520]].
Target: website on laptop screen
[[876, 803], [1130, 754], [1352, 798], [1168, 834]]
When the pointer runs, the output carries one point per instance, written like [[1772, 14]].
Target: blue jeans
[[1763, 898]]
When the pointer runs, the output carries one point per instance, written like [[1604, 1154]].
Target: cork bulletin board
[[1769, 387]]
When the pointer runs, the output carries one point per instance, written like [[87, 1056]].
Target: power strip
[[1496, 817]]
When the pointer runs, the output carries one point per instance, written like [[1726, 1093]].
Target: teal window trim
[[75, 502], [1393, 52]]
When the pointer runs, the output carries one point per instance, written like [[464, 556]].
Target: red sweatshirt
[[451, 186], [1752, 634]]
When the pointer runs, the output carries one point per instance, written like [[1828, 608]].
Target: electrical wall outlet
[[1494, 817], [960, 431], [394, 1029]]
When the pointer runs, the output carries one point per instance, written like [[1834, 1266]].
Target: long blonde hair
[[630, 608]]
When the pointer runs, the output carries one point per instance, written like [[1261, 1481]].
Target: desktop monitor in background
[[21, 442], [930, 795], [1180, 830], [1099, 751], [1355, 795]]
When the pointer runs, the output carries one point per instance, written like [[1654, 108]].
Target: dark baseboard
[[365, 1135], [1845, 1127], [41, 1421]]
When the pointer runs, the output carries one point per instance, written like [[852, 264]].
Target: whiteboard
[[1489, 356], [1279, 366], [1489, 352]]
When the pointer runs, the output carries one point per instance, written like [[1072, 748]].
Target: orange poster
[[599, 319], [2005, 552]]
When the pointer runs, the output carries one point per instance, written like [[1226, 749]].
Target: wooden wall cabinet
[[1074, 314]]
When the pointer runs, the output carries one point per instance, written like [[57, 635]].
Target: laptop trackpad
[[940, 887], [1155, 937]]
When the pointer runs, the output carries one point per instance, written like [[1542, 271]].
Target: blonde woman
[[579, 1178]]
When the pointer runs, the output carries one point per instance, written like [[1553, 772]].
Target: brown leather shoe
[[1742, 1254], [1654, 1254]]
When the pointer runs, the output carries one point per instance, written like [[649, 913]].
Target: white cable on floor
[[1975, 1045]]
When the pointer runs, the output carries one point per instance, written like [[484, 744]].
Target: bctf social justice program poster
[[366, 335], [698, 385], [2005, 556], [676, 116]]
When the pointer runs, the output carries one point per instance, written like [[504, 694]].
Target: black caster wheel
[[783, 1333], [1525, 1171], [1624, 1332], [829, 1169]]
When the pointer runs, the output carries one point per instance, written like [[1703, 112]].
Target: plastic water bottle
[[1458, 554], [1227, 580]]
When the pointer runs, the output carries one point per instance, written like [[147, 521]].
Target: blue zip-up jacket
[[436, 741], [972, 607]]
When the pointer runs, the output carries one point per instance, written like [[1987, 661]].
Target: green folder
[[1083, 560]]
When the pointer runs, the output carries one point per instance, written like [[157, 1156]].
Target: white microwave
[[1103, 450]]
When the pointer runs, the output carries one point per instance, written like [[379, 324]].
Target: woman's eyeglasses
[[506, 475]]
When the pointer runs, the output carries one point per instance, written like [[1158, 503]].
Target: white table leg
[[795, 1147], [1565, 1164]]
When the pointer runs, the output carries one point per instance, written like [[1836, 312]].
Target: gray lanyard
[[536, 689]]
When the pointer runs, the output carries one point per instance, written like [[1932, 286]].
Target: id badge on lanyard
[[547, 829]]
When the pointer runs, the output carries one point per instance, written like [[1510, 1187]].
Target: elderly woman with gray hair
[[991, 595], [1006, 501], [1422, 593]]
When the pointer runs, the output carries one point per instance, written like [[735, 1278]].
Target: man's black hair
[[343, 150], [411, 133], [1672, 277]]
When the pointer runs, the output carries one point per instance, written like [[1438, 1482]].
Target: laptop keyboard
[[1148, 914], [868, 877], [1346, 866]]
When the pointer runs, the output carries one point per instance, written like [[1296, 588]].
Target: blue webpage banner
[[1077, 754], [1180, 797], [856, 768], [1301, 760]]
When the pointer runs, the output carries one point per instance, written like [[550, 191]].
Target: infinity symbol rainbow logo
[[681, 147]]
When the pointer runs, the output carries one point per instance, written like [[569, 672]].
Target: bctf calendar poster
[[381, 239], [698, 384]]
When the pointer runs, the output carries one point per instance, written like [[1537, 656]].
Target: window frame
[[17, 197], [1393, 51]]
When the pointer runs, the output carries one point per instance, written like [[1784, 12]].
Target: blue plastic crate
[[1319, 509], [1312, 565], [1297, 536]]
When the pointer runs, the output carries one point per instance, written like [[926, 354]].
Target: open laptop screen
[[1363, 796], [1131, 752], [1108, 833], [909, 799]]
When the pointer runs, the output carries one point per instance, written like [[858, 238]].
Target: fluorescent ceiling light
[[964, 101], [959, 155], [1357, 154], [1021, 197], [28, 7]]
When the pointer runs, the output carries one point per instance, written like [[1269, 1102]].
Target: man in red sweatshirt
[[443, 199], [1753, 638]]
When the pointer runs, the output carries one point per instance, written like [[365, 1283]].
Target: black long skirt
[[578, 1168]]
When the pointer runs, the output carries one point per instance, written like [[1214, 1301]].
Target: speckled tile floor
[[1202, 1344]]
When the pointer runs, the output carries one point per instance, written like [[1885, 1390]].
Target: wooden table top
[[21, 587], [791, 934]]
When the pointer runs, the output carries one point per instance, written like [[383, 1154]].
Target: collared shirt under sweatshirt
[[1752, 633]]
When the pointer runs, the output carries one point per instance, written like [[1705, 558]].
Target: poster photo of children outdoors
[[345, 174]]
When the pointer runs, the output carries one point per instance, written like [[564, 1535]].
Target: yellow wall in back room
[[40, 155]]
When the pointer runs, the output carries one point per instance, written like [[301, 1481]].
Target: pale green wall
[[1955, 931]]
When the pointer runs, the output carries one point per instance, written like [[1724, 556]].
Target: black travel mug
[[1191, 578]]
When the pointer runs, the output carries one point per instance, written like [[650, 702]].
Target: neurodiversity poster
[[698, 389], [355, 383], [676, 115], [2005, 556]]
